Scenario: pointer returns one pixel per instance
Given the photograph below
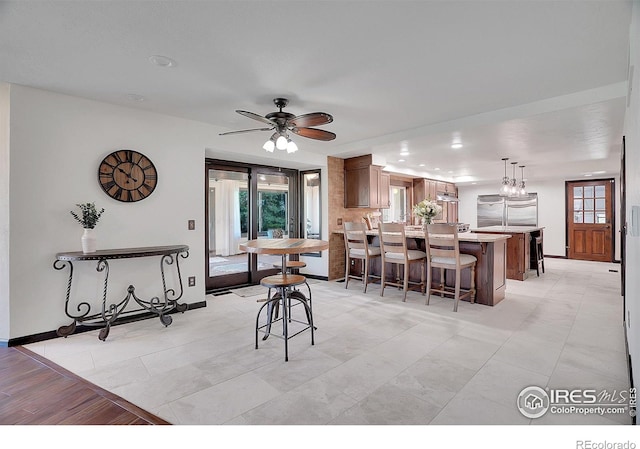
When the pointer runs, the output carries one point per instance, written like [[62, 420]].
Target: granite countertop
[[509, 229], [462, 236]]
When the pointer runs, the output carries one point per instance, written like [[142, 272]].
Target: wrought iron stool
[[293, 267], [283, 284]]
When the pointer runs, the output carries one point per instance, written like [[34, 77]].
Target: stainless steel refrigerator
[[496, 210]]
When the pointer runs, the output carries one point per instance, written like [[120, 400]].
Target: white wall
[[632, 171], [49, 156], [57, 143], [551, 211], [4, 209]]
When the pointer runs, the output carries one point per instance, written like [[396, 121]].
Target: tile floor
[[376, 360]]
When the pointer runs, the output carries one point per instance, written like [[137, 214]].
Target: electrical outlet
[[192, 281], [192, 225]]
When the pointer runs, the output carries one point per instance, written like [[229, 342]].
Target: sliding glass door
[[245, 202], [228, 226]]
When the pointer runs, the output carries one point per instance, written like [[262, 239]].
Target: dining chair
[[357, 247], [393, 245], [443, 251]]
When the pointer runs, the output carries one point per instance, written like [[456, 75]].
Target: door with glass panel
[[590, 220], [245, 202], [275, 216], [227, 208]]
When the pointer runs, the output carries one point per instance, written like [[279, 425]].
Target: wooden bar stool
[[357, 247], [284, 284], [443, 251]]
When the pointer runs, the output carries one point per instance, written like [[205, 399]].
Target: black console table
[[170, 255]]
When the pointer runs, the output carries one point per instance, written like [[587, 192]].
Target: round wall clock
[[128, 176]]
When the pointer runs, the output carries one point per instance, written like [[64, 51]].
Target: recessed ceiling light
[[588, 174], [135, 97], [421, 165], [162, 61], [400, 160], [599, 172], [436, 169], [450, 171], [456, 145]]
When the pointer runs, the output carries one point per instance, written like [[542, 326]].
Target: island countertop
[[518, 248], [509, 229], [474, 237], [488, 249]]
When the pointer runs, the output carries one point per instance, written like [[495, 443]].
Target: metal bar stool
[[283, 284], [293, 267]]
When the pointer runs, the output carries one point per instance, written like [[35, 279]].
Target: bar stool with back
[[443, 251], [393, 245], [357, 247]]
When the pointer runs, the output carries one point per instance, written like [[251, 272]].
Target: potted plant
[[88, 218]]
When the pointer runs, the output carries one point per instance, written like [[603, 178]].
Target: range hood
[[447, 197]]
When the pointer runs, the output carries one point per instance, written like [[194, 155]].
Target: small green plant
[[90, 215]]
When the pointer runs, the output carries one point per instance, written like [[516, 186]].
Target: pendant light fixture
[[504, 189], [513, 184], [522, 190]]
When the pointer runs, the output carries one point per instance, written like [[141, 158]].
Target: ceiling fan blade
[[312, 119], [313, 133], [245, 131], [256, 117]]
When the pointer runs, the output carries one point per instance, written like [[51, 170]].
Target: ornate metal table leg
[[170, 296], [65, 331]]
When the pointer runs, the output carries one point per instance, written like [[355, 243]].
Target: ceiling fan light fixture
[[291, 146], [281, 143], [269, 146]]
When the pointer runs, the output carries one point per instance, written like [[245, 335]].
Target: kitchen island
[[490, 273], [519, 254]]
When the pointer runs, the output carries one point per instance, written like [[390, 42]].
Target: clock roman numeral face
[[127, 176]]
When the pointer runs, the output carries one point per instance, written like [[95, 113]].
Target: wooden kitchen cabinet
[[365, 184], [423, 188], [446, 187]]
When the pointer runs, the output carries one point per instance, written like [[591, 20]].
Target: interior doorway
[[590, 220]]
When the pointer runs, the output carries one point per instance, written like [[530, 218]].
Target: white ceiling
[[540, 82]]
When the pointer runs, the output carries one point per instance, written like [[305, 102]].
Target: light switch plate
[[192, 225]]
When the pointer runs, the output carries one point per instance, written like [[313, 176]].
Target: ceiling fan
[[283, 122]]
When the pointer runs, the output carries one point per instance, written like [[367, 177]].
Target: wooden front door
[[590, 220]]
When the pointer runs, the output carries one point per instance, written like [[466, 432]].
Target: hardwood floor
[[34, 390]]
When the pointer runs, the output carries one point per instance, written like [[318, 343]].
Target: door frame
[[610, 211], [253, 275]]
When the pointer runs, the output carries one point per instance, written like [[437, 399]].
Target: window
[[397, 211], [310, 196], [589, 204]]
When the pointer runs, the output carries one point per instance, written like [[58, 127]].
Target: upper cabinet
[[424, 188], [445, 187], [439, 191], [365, 184]]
